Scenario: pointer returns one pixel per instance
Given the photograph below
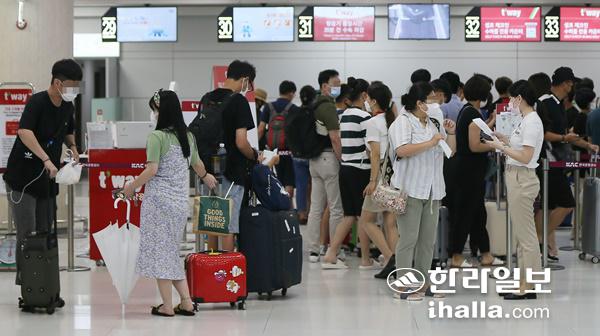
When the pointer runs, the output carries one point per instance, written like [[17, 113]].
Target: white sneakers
[[339, 264]]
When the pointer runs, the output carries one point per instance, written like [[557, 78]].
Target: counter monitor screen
[[263, 24], [419, 22], [344, 23], [147, 24]]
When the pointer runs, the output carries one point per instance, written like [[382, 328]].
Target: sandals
[[183, 312], [155, 311], [495, 262], [339, 265], [464, 264]]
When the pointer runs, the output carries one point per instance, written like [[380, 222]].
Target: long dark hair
[[170, 118], [383, 96]]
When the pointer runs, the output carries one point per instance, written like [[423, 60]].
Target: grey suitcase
[[590, 221], [440, 251]]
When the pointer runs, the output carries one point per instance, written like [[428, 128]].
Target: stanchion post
[[71, 233], [546, 167], [498, 181], [199, 238], [577, 214]]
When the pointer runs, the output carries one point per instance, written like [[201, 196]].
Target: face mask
[[244, 91], [424, 110], [69, 94], [154, 117], [432, 106], [514, 107], [368, 107], [336, 91], [483, 103]]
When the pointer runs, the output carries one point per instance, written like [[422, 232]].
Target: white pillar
[[28, 55], [88, 92]]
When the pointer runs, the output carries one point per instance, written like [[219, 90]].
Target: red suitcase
[[215, 277]]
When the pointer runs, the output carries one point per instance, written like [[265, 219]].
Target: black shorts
[[353, 182], [560, 194], [285, 171]]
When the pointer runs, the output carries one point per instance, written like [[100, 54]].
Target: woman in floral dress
[[170, 151]]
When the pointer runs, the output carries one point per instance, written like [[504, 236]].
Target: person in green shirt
[[170, 151]]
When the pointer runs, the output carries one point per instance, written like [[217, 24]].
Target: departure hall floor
[[334, 302]]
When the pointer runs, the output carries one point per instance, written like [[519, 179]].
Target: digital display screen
[[263, 24], [419, 22], [344, 23], [510, 24], [147, 24], [573, 24]]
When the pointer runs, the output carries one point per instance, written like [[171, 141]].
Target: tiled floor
[[326, 303]]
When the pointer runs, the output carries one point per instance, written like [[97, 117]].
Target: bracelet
[[44, 161], [450, 133], [205, 174]]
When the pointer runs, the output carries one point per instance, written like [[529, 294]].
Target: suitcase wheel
[[232, 304], [595, 260], [269, 296], [50, 310], [581, 256], [284, 292], [241, 305], [60, 303], [21, 303]]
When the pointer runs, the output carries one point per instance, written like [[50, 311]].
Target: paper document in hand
[[485, 128], [268, 156], [447, 150]]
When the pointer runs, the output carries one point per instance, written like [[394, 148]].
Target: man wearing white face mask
[[46, 123]]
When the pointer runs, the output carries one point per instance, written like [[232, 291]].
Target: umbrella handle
[[116, 205]]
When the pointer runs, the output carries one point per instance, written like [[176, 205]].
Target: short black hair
[[583, 97], [488, 79], [287, 87], [541, 83], [524, 89], [344, 92], [326, 75], [586, 83], [67, 69], [417, 92], [420, 75], [561, 75], [477, 88], [502, 84], [357, 87], [239, 69], [442, 85], [453, 80]]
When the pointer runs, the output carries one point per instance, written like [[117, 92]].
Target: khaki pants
[[325, 174], [523, 187], [417, 229]]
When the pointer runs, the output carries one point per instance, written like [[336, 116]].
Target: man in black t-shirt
[[46, 123], [237, 120], [560, 197]]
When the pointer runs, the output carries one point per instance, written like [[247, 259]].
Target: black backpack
[[301, 133], [207, 127]]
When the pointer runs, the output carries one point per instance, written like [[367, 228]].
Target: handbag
[[269, 190], [70, 173], [387, 197], [212, 214]]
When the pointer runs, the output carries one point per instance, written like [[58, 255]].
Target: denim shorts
[[236, 195]]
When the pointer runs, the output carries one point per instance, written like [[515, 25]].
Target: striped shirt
[[353, 127], [421, 176]]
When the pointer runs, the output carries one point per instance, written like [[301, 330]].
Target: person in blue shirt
[[453, 107]]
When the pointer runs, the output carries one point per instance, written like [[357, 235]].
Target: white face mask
[[69, 94], [514, 107], [424, 110], [244, 91], [483, 103], [432, 106], [368, 107], [154, 117]]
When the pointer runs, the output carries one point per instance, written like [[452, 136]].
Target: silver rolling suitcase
[[440, 251], [590, 221]]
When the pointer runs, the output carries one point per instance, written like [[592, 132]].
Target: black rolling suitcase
[[40, 279], [272, 244], [288, 250]]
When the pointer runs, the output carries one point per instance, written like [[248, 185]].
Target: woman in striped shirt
[[418, 171], [354, 175]]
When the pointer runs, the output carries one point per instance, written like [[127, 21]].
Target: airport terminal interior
[[290, 222]]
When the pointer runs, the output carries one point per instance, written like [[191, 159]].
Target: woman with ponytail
[[418, 171], [170, 151], [379, 102]]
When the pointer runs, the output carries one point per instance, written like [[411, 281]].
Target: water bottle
[[219, 160]]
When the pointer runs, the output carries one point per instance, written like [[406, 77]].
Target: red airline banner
[[580, 24], [14, 96], [344, 23], [510, 24], [219, 76]]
